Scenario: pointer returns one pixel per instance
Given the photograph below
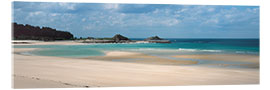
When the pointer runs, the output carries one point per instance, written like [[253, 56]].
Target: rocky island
[[122, 39], [156, 39]]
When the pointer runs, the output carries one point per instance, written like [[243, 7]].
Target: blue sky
[[141, 20]]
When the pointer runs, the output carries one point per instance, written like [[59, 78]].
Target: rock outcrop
[[156, 39], [153, 38], [120, 39]]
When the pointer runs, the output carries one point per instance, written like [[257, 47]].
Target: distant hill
[[28, 32]]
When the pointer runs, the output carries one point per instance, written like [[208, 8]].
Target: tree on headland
[[28, 32]]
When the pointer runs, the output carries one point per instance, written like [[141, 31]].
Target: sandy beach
[[60, 72], [116, 44]]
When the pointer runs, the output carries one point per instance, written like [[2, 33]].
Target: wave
[[246, 52], [152, 49], [199, 50], [192, 50], [27, 53], [212, 50], [175, 50]]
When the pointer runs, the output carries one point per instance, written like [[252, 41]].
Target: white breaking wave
[[246, 52], [27, 53], [175, 50], [199, 50], [192, 50], [241, 52], [212, 50], [152, 49]]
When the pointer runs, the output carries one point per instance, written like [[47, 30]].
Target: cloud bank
[[142, 20]]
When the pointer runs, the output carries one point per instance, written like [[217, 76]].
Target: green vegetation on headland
[[28, 32]]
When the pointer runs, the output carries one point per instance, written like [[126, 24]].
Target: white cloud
[[211, 9], [171, 22], [88, 27], [111, 6], [211, 21], [228, 16], [254, 10], [70, 6], [84, 19], [35, 13], [54, 14], [150, 20], [181, 10], [92, 27]]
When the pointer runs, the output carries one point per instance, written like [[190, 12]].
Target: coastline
[[35, 42], [76, 44], [95, 72]]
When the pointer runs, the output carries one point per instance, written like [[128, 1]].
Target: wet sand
[[224, 57], [134, 57], [252, 61]]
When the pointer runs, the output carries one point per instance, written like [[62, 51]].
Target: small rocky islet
[[122, 39]]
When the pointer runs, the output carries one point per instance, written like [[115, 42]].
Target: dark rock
[[153, 38], [119, 38], [156, 39]]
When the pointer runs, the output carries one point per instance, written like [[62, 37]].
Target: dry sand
[[51, 72]]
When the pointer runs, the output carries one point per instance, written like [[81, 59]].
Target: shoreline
[[216, 60], [224, 60], [35, 42], [99, 73], [79, 42]]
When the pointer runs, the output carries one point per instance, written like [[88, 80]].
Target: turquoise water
[[67, 52], [178, 46]]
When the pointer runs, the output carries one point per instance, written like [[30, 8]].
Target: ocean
[[177, 47]]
